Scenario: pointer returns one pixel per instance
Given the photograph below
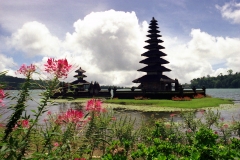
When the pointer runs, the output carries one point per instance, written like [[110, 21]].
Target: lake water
[[227, 112], [225, 93]]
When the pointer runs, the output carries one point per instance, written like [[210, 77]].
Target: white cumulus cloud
[[198, 57], [230, 11], [6, 64], [35, 39], [112, 38]]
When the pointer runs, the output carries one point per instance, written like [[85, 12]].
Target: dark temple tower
[[154, 80], [80, 83]]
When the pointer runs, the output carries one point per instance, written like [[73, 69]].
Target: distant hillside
[[10, 82], [221, 81]]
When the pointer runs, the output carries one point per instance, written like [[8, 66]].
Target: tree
[[230, 71], [235, 83]]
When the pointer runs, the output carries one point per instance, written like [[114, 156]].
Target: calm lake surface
[[225, 93], [227, 111]]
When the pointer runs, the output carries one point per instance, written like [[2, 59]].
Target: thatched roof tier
[[154, 41], [153, 27], [153, 23], [153, 78], [78, 76], [154, 35], [154, 46], [153, 53], [154, 60], [154, 31], [80, 70], [154, 68], [77, 82]]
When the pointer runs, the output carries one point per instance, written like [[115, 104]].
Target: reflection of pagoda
[[154, 80], [80, 83]]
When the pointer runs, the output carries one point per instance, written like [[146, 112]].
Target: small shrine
[[80, 84], [154, 80]]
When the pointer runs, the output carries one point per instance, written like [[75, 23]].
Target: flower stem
[[19, 108], [47, 94]]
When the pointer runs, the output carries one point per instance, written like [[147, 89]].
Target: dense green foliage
[[13, 83], [221, 81]]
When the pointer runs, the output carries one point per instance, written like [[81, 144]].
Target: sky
[[106, 37]]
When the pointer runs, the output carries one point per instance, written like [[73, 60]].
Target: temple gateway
[[154, 80]]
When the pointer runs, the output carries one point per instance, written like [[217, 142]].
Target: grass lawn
[[193, 104], [69, 100]]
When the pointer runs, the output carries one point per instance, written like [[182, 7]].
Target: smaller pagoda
[[80, 84]]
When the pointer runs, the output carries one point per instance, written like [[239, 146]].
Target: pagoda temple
[[154, 80], [80, 83]]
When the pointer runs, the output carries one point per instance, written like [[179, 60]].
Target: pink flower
[[26, 70], [113, 118], [56, 144], [23, 123], [71, 116], [59, 68], [49, 113], [94, 105], [2, 95]]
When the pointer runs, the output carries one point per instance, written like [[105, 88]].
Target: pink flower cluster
[[94, 105], [55, 144], [60, 67], [23, 123], [71, 116], [2, 95], [27, 70]]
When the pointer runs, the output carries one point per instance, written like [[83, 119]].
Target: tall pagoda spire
[[154, 80]]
